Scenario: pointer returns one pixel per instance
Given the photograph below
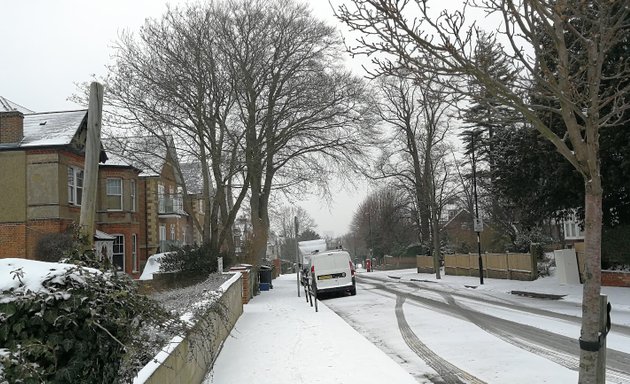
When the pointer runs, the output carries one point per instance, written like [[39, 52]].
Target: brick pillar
[[11, 127], [246, 287]]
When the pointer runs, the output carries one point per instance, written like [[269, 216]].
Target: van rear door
[[332, 270]]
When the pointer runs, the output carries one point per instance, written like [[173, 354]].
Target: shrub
[[615, 247], [525, 239], [53, 246], [84, 327], [196, 260], [544, 264]]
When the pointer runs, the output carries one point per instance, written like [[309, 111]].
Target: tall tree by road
[[578, 35], [300, 109], [418, 111], [171, 81]]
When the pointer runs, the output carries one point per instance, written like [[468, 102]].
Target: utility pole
[[90, 172]]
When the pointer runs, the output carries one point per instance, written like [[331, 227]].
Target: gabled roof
[[46, 129], [456, 216], [9, 106], [52, 128], [147, 153], [192, 177]]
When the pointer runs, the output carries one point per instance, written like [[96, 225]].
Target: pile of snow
[[152, 266], [22, 275]]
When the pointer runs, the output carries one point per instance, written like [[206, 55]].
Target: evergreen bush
[[84, 326], [616, 247], [195, 260]]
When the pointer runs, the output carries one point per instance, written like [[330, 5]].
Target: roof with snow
[[47, 129], [52, 128]]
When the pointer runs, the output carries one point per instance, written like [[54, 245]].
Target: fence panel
[[516, 266]]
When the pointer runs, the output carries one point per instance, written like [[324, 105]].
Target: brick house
[[138, 210], [459, 234], [164, 223]]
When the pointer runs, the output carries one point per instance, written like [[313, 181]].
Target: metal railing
[[310, 288]]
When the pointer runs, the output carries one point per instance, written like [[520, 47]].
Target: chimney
[[11, 127]]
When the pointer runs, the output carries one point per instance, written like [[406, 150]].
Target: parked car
[[333, 272]]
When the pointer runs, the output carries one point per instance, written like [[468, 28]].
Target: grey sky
[[49, 46]]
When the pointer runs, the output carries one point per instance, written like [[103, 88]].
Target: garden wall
[[609, 278], [188, 359]]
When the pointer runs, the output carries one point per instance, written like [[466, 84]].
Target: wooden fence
[[512, 266], [425, 264], [398, 262]]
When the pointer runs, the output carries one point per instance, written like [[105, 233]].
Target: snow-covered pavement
[[280, 339]]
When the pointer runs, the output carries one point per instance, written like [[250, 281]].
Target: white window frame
[[201, 206], [178, 203], [173, 233], [114, 248], [134, 253], [161, 198], [110, 192], [162, 234], [133, 188], [75, 188]]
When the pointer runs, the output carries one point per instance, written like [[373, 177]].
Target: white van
[[332, 271]]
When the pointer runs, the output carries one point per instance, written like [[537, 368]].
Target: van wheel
[[353, 291]]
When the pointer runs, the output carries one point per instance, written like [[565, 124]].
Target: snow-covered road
[[464, 335]]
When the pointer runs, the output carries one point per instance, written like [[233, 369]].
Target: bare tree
[[282, 223], [282, 220], [170, 82], [565, 63], [299, 108], [383, 222], [418, 111]]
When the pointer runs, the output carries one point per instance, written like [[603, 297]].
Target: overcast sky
[[49, 46]]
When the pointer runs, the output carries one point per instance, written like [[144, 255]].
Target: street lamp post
[[478, 223], [297, 254]]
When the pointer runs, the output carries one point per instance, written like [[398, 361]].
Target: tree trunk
[[435, 236], [592, 278], [260, 227]]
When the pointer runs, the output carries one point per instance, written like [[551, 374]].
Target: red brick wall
[[127, 230], [11, 127], [12, 240], [616, 279], [38, 228]]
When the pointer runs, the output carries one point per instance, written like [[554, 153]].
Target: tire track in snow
[[554, 347], [447, 371]]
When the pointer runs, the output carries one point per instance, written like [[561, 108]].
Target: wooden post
[[507, 265], [90, 172], [601, 354], [297, 254]]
